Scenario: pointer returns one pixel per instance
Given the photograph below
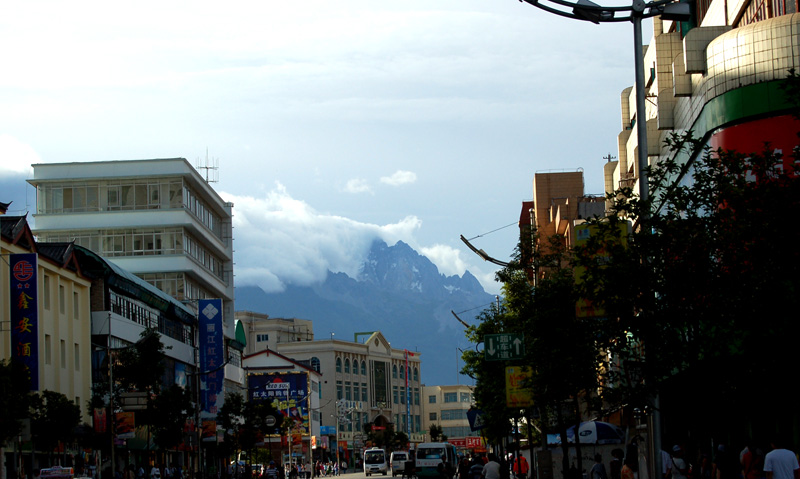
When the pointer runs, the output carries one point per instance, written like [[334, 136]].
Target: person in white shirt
[[781, 463]]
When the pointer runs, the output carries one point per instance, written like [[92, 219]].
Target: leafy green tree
[[436, 433], [703, 287], [54, 419], [14, 399], [169, 412]]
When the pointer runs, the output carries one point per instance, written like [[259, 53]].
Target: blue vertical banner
[[212, 357], [24, 310]]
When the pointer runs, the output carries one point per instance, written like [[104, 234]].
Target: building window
[[347, 394], [395, 395], [339, 392], [47, 292], [315, 365], [77, 352], [63, 354], [260, 338], [466, 397], [394, 371], [364, 391], [432, 416], [76, 305], [363, 368], [339, 366], [416, 374], [416, 396], [347, 366], [62, 299], [402, 372], [454, 414], [48, 350], [431, 399], [450, 397]]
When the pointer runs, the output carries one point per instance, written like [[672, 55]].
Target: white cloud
[[357, 185], [16, 156], [399, 177], [446, 258], [280, 240]]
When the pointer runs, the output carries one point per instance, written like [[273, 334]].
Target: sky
[[330, 123]]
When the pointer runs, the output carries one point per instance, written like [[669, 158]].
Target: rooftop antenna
[[211, 166]]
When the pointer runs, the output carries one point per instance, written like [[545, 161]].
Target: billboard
[[24, 314], [212, 356], [287, 392]]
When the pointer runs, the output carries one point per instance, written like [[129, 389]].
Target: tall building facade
[[446, 407], [46, 326], [718, 76], [263, 332], [157, 219]]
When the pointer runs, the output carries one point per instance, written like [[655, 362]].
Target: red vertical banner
[[24, 309]]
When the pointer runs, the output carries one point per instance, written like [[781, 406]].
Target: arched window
[[416, 374], [394, 371], [363, 368], [338, 365], [402, 372], [347, 366], [315, 364]]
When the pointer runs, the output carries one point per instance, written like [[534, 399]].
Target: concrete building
[[717, 76], [157, 219], [559, 204], [446, 407], [268, 367], [263, 332], [49, 329], [365, 378]]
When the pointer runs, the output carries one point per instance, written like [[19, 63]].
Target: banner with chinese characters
[[518, 393], [24, 309], [212, 356], [287, 392]]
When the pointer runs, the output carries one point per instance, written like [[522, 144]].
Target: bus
[[375, 461], [431, 454]]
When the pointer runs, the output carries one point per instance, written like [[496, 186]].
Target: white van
[[375, 461], [398, 461]]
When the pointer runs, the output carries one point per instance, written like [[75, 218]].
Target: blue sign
[[24, 309], [212, 356]]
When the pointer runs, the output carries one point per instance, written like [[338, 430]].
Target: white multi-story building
[[157, 219], [446, 407]]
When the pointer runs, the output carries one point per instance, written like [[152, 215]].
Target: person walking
[[781, 463], [680, 469], [598, 470], [521, 467], [492, 468]]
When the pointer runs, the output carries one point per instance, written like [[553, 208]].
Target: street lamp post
[[587, 10], [638, 10]]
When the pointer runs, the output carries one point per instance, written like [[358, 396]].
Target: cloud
[[280, 240], [16, 156], [357, 185], [399, 177], [446, 258]]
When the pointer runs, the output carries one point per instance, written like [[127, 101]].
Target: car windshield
[[373, 457], [430, 453]]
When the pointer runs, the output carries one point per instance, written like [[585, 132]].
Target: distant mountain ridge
[[398, 292]]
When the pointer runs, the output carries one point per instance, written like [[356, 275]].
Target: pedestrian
[[627, 468], [521, 467], [476, 468], [615, 466], [598, 470], [680, 469], [752, 462], [781, 463], [492, 468]]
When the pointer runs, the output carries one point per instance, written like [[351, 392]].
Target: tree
[[169, 412], [54, 419], [14, 393], [436, 433], [702, 289]]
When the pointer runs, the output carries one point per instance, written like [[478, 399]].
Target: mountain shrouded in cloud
[[281, 241], [396, 291]]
